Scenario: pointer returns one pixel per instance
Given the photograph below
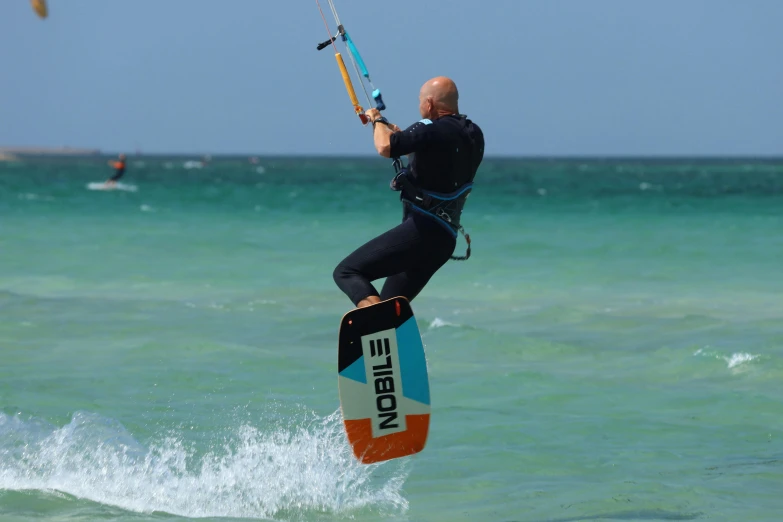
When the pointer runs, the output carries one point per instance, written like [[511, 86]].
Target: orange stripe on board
[[396, 445]]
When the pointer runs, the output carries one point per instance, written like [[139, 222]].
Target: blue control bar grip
[[356, 55], [376, 95]]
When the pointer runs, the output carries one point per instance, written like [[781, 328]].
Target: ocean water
[[613, 350]]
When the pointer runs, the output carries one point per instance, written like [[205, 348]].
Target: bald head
[[438, 97]]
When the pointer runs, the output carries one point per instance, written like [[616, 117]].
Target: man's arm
[[382, 134], [390, 140]]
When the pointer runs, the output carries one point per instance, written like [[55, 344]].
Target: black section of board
[[364, 321]]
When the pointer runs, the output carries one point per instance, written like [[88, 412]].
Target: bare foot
[[369, 300]]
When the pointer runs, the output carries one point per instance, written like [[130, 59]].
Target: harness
[[445, 209]]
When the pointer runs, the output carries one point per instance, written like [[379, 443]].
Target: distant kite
[[39, 6]]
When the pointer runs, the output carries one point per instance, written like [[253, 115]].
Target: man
[[119, 170], [447, 149]]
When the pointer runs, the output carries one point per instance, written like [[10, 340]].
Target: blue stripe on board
[[413, 365], [356, 371]]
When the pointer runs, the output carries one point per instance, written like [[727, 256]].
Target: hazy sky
[[542, 77]]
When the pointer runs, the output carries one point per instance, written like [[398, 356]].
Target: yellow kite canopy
[[39, 6]]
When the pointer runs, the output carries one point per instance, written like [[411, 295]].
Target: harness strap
[[467, 240], [422, 201]]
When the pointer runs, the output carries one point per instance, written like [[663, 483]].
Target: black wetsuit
[[447, 154]]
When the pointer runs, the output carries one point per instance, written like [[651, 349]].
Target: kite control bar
[[358, 63]]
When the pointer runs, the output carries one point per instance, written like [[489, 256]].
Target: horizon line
[[82, 152]]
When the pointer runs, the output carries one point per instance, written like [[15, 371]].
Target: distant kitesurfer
[[446, 150], [119, 169]]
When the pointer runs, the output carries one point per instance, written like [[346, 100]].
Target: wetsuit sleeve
[[415, 138]]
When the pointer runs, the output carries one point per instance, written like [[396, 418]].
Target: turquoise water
[[612, 351]]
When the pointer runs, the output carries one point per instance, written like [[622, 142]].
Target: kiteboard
[[111, 186], [383, 382]]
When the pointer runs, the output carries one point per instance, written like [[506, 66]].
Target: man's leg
[[404, 255], [392, 252], [435, 252], [409, 283]]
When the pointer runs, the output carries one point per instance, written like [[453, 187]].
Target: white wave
[[440, 323], [737, 359], [734, 361], [102, 185], [281, 471]]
